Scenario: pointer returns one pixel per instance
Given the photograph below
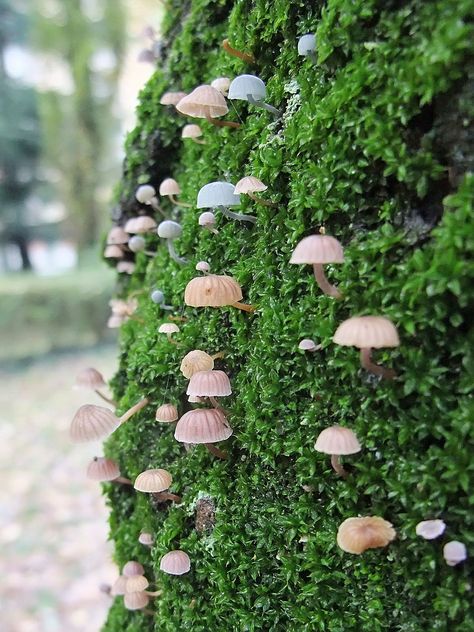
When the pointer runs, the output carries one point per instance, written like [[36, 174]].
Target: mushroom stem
[[376, 369], [150, 253], [161, 497], [337, 466], [244, 307], [156, 207], [211, 229], [260, 201], [174, 255], [198, 142], [175, 201], [170, 339], [155, 593], [216, 405], [106, 399], [180, 319], [321, 280], [137, 319], [265, 106], [218, 356], [167, 307], [219, 123], [134, 409], [249, 59], [241, 217], [148, 611], [216, 451], [122, 480]]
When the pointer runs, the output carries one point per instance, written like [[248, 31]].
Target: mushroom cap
[[172, 98], [136, 600], [337, 440], [123, 308], [430, 529], [132, 568], [90, 378], [454, 552], [145, 538], [136, 583], [115, 321], [91, 423], [194, 399], [318, 249], [367, 332], [203, 266], [212, 290], [168, 328], [113, 252], [136, 243], [195, 361], [175, 563], [169, 187], [306, 44], [102, 469], [145, 193], [141, 224], [356, 535], [126, 267], [222, 84], [157, 297], [307, 345], [216, 194], [249, 184], [203, 425], [209, 384], [191, 131], [153, 481], [166, 413], [117, 236], [169, 229], [207, 219], [245, 85], [118, 587], [204, 101]]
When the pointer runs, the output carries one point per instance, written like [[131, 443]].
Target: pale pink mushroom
[[156, 482], [92, 379], [209, 384], [454, 552], [166, 413], [206, 426], [105, 470], [175, 563], [96, 422], [337, 441], [170, 188], [319, 250]]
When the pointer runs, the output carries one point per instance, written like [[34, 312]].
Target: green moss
[[360, 150]]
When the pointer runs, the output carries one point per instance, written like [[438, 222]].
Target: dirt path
[[53, 521]]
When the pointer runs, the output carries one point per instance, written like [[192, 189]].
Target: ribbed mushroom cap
[[169, 229], [132, 568], [145, 538], [169, 187], [244, 85], [454, 552], [118, 587], [207, 219], [172, 98], [175, 563], [306, 44], [102, 469], [367, 332], [203, 266], [337, 440], [126, 267], [195, 361], [222, 84], [145, 193], [209, 384], [136, 600], [91, 423], [168, 328], [356, 535], [166, 413], [141, 224], [191, 131], [216, 194], [307, 345], [90, 378], [204, 101], [249, 184], [136, 583], [115, 321], [430, 529], [318, 249], [113, 252], [202, 425], [212, 290], [153, 481], [117, 236]]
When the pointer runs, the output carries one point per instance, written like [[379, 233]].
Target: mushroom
[[307, 46], [125, 267], [93, 379], [158, 297], [146, 539], [454, 552], [170, 230], [194, 132], [115, 321], [105, 470], [337, 441], [175, 563], [136, 583], [252, 89], [367, 333], [430, 529], [221, 195], [136, 600], [248, 58], [96, 422], [156, 482], [356, 535], [249, 186], [206, 426], [214, 290], [118, 587], [116, 236], [208, 220], [319, 250], [209, 384], [113, 252], [222, 84], [195, 361], [170, 188], [166, 413], [208, 103], [169, 329], [203, 266], [132, 568], [146, 194], [139, 225], [172, 98], [308, 345]]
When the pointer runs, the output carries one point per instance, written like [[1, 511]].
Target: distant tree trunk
[[20, 240]]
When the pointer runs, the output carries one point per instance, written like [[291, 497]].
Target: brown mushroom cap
[[136, 583], [212, 290], [209, 384], [166, 413], [356, 535], [204, 101], [117, 236], [168, 328], [93, 422], [175, 563], [153, 481], [141, 224], [118, 587], [367, 332], [172, 98], [136, 600], [169, 187], [90, 378], [202, 425], [249, 184], [337, 440], [195, 361], [102, 469], [191, 131], [318, 249], [132, 568]]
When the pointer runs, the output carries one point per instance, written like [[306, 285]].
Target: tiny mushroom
[[308, 345], [194, 132], [158, 298], [146, 539], [125, 267], [214, 290], [221, 195], [307, 46], [170, 188], [208, 103], [208, 221], [156, 482], [172, 98], [247, 57], [169, 329], [206, 426], [136, 600], [195, 361], [105, 470], [337, 441], [115, 321], [118, 587], [222, 84], [136, 583], [356, 535], [139, 225], [430, 529], [146, 194], [454, 552], [96, 422], [117, 236], [203, 266], [93, 379], [175, 563], [251, 185], [170, 230], [132, 568], [367, 333], [113, 252], [136, 243], [319, 250], [209, 384], [252, 89], [166, 413]]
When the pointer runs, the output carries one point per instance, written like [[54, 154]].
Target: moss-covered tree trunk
[[375, 146]]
